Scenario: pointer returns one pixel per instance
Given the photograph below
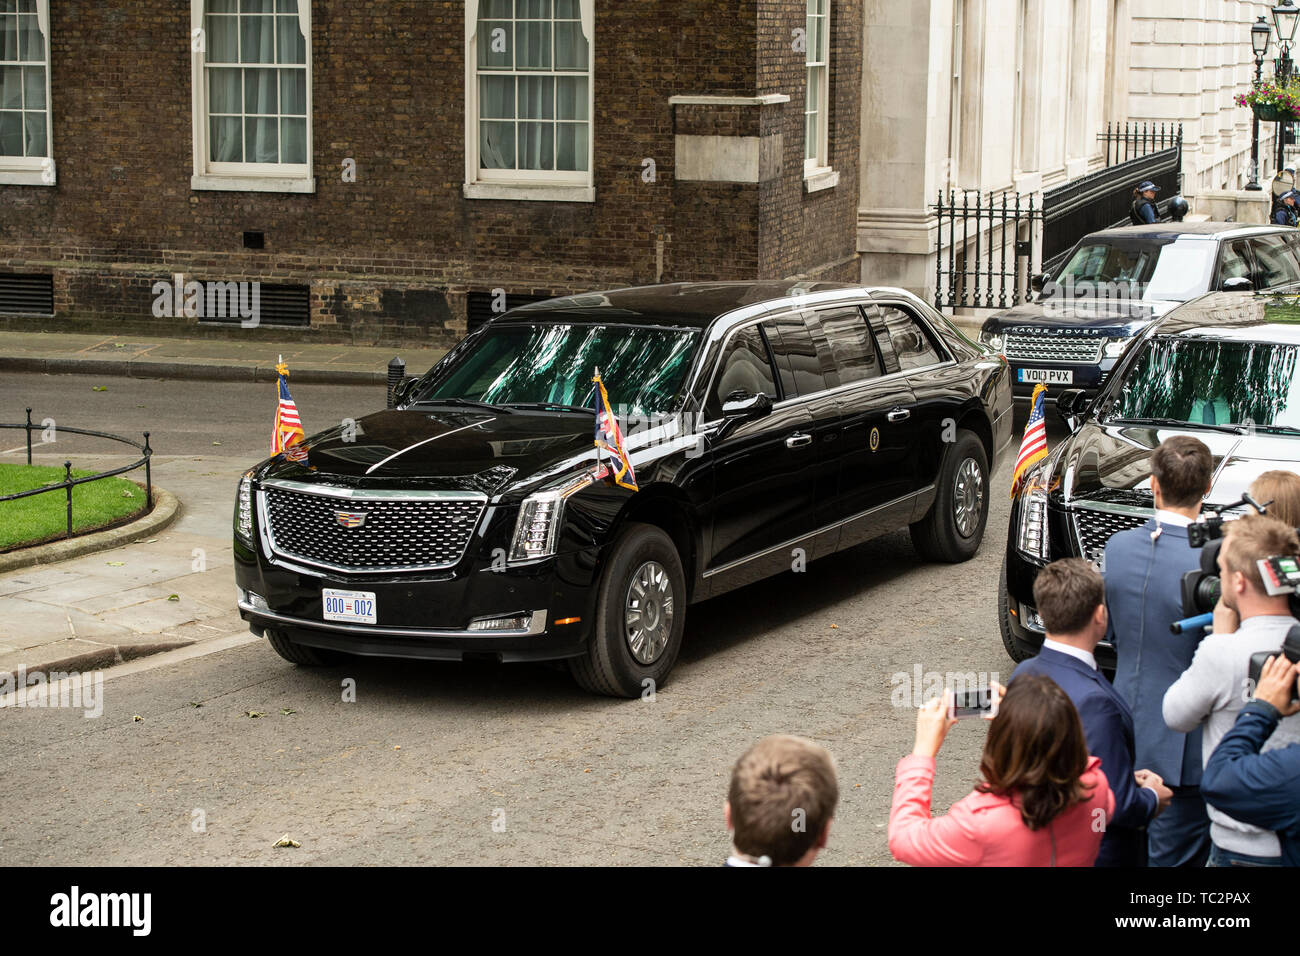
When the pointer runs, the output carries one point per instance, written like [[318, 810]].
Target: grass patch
[[42, 518]]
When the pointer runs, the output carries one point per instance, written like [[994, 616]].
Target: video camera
[[1290, 649], [1202, 588]]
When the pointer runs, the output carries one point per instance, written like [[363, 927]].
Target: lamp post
[[1260, 34], [1285, 16]]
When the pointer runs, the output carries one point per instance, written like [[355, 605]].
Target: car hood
[[442, 449], [1112, 463], [1112, 317]]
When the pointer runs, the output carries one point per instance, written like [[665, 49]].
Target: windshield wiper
[[1179, 423], [550, 406], [1278, 429], [461, 403]]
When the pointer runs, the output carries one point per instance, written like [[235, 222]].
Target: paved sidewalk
[[165, 592], [142, 356]]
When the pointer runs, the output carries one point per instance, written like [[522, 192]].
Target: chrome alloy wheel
[[968, 497], [648, 612]]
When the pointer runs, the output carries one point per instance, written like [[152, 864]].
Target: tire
[[301, 654], [945, 534], [644, 562], [1004, 619]]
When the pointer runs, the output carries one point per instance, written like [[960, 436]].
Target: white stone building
[[1012, 95]]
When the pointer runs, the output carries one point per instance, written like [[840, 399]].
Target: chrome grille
[[399, 533], [1094, 528], [1053, 348]]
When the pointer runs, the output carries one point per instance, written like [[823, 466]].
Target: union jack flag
[[610, 437], [288, 426], [1033, 448]]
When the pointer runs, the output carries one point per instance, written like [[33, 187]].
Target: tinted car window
[[851, 344], [796, 356], [745, 367], [1275, 261], [1101, 262], [901, 336], [1236, 261]]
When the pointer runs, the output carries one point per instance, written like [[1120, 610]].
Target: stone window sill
[[530, 192], [30, 176], [253, 184], [821, 178]]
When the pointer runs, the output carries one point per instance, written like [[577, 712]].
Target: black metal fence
[[978, 263], [1126, 141], [69, 482]]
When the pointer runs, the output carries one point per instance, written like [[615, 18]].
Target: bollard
[[29, 435], [148, 476], [67, 477], [396, 375]]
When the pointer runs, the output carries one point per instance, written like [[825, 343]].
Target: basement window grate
[[278, 306], [478, 306], [26, 294]]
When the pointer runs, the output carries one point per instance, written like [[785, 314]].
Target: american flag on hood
[[610, 437], [1033, 448], [288, 425]]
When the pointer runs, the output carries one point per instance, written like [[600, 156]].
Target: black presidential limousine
[[767, 423], [1222, 368]]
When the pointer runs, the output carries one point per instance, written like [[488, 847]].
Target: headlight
[[1115, 347], [1031, 535], [244, 509], [538, 526], [992, 339]]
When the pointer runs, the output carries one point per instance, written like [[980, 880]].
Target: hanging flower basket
[[1272, 113]]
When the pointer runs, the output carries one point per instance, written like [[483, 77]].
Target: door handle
[[899, 415], [798, 440]]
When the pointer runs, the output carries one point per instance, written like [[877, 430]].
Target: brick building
[[380, 168]]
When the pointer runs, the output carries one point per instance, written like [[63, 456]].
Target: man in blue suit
[[1144, 570], [1071, 599]]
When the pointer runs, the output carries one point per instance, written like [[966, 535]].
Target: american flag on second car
[[288, 424], [1033, 447]]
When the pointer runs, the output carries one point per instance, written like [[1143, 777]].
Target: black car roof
[[689, 304], [1235, 315]]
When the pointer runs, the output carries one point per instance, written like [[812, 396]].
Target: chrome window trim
[[731, 565]]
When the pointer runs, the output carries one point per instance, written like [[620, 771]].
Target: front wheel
[[1004, 619], [954, 527], [640, 617]]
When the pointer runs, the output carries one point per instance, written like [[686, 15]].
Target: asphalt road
[[476, 764]]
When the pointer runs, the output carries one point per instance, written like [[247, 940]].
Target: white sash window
[[815, 110], [529, 99], [252, 95], [26, 153]]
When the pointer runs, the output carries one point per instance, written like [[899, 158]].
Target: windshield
[[1211, 382], [1171, 272], [642, 368]]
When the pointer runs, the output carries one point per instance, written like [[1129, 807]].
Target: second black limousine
[[763, 420]]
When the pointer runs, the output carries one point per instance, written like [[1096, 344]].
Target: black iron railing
[[982, 237], [1127, 141], [69, 482]]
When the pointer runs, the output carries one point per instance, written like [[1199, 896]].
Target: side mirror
[[1237, 284], [1038, 282], [1070, 404], [403, 390], [742, 406]]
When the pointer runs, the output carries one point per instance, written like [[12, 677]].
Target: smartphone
[[972, 703]]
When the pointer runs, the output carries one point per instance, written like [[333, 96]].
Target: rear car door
[[876, 427], [1235, 261], [764, 469]]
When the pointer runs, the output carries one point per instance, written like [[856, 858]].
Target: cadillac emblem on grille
[[350, 519]]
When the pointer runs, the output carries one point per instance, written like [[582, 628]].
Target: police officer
[[1283, 182], [1285, 212], [1143, 211]]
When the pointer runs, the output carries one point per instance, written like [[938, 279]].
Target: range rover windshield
[[550, 367], [1170, 271], [1211, 383]]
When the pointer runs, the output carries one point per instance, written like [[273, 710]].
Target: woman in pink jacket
[[1042, 801]]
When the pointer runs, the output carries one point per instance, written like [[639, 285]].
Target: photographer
[[1280, 490], [1071, 598], [1042, 800], [1144, 571], [1262, 789], [1210, 693]]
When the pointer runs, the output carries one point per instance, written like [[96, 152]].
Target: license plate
[[354, 607], [1048, 376]]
